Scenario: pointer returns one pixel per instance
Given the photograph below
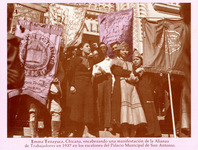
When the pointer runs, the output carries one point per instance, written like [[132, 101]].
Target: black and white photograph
[[99, 75]]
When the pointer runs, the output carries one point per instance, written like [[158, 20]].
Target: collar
[[107, 58]]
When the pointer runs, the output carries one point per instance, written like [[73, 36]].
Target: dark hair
[[79, 51], [102, 43], [82, 44], [111, 44], [69, 51]]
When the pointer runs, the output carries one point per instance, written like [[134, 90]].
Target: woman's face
[[124, 53], [86, 48], [137, 62]]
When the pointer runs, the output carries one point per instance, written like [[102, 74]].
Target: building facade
[[39, 13]]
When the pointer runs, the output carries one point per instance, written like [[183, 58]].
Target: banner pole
[[171, 102]]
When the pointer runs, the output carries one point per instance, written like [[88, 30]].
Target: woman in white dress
[[127, 111]]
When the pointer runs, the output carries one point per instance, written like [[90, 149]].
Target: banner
[[163, 46], [39, 52], [116, 26], [72, 18]]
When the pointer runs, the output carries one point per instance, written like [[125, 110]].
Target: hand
[[136, 79], [133, 78], [72, 89], [140, 71], [53, 89]]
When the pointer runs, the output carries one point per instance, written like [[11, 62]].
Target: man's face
[[95, 45], [103, 48], [115, 46]]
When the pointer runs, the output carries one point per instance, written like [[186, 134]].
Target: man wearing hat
[[114, 46]]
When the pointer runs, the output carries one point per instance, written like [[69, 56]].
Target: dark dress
[[145, 89], [102, 94], [15, 80], [82, 103]]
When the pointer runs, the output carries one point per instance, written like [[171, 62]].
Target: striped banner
[[72, 18]]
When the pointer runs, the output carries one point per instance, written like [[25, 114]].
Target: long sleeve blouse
[[79, 67]]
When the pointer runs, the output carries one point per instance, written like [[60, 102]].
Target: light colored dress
[[131, 108]]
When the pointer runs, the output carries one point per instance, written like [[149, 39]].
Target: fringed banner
[[163, 46], [39, 52]]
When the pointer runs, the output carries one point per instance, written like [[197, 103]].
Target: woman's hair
[[79, 51], [82, 44]]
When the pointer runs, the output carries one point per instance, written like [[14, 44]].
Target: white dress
[[131, 108]]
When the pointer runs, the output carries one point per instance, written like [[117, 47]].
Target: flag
[[163, 45], [116, 26], [72, 18], [39, 53]]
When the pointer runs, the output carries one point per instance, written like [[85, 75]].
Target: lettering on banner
[[38, 54], [173, 42]]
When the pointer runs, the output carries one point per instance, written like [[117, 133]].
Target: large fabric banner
[[163, 46], [116, 26], [72, 18], [39, 52]]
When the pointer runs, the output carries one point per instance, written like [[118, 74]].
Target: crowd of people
[[90, 89], [107, 94]]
